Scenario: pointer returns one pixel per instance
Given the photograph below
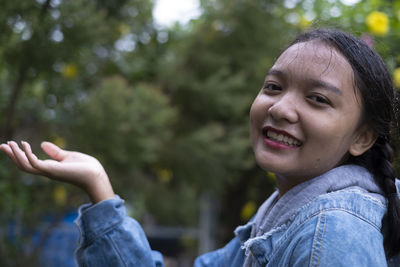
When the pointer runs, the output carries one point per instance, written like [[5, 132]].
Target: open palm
[[66, 166]]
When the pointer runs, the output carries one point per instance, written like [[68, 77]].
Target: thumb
[[53, 151]]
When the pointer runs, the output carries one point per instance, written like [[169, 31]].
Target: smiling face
[[307, 118]]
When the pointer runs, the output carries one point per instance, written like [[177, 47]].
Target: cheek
[[253, 120], [257, 117], [254, 113], [258, 110], [331, 139]]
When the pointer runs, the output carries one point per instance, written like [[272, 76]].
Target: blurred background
[[162, 101]]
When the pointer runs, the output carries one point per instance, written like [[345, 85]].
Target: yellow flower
[[378, 23], [248, 210], [304, 23], [396, 77], [271, 176], [123, 29], [60, 195], [70, 71], [164, 175]]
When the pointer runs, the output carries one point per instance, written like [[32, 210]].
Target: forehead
[[316, 59]]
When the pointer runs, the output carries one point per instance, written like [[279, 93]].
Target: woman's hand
[[76, 168]]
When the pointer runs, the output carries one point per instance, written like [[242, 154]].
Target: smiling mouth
[[281, 138]]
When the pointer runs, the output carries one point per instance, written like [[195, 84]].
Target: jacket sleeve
[[339, 238], [108, 237], [229, 256]]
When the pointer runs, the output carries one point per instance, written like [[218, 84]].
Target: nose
[[284, 109]]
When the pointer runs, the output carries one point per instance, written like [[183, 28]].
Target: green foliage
[[125, 127], [213, 73]]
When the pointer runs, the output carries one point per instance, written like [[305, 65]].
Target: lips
[[281, 137]]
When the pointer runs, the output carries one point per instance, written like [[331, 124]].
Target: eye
[[272, 87], [319, 99]]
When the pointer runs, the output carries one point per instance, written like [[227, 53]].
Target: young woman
[[322, 123]]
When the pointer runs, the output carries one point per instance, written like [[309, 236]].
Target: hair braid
[[378, 160], [384, 171]]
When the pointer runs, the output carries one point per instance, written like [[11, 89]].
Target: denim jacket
[[110, 238]]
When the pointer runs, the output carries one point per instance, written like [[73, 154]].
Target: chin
[[269, 164]]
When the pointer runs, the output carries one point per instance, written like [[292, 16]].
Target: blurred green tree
[[52, 54]]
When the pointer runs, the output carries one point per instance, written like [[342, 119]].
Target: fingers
[[7, 149], [33, 160], [26, 161], [21, 159], [49, 168], [10, 153], [54, 151]]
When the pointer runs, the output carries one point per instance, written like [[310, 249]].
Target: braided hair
[[380, 112]]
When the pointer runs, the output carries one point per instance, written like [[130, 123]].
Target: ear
[[363, 141]]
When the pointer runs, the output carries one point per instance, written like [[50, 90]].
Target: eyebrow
[[314, 82], [275, 72]]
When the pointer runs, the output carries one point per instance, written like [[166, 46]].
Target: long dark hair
[[380, 112]]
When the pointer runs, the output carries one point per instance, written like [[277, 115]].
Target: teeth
[[283, 139]]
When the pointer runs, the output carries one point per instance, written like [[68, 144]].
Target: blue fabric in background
[[60, 245]]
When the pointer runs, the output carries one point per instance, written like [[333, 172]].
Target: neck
[[285, 183]]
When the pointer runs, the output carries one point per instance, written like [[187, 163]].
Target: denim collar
[[342, 177], [274, 213], [261, 248]]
